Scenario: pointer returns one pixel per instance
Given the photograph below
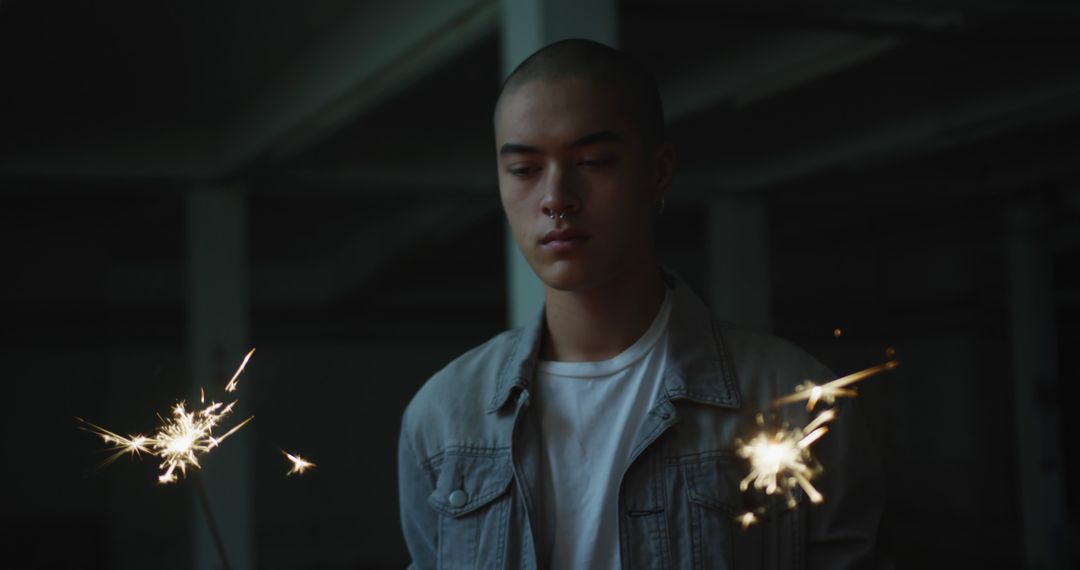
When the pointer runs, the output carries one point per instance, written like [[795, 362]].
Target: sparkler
[[231, 386], [746, 519], [299, 464], [181, 438], [830, 391], [780, 459]]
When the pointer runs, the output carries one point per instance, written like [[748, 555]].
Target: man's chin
[[569, 276]]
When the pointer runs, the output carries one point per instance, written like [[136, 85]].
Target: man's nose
[[561, 195]]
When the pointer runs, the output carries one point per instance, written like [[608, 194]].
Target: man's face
[[565, 147]]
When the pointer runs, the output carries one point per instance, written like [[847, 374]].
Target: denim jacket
[[469, 449]]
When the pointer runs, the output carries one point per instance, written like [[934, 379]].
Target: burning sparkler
[[181, 438], [746, 519], [830, 391], [231, 386], [780, 459], [299, 464]]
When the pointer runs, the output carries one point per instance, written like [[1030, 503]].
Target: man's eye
[[521, 171], [596, 161]]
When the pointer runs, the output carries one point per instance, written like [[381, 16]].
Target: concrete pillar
[[218, 308], [739, 271], [526, 26], [1035, 385]]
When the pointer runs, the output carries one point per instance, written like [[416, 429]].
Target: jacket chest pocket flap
[[720, 541], [712, 488], [471, 496], [715, 484], [465, 483]]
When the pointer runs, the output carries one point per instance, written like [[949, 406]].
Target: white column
[[218, 307], [1035, 379], [526, 26], [739, 270]]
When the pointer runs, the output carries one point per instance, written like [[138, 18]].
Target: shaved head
[[607, 68]]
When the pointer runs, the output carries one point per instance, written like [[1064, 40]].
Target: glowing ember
[[746, 519], [231, 386], [180, 439], [781, 460], [830, 391], [299, 464]]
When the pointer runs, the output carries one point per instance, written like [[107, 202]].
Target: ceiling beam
[[966, 120], [320, 277], [352, 262], [432, 174], [374, 52], [149, 155], [373, 56], [784, 61], [768, 68]]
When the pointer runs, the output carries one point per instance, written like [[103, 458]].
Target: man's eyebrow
[[597, 137], [515, 148], [591, 138]]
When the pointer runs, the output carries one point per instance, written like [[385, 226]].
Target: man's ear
[[664, 160]]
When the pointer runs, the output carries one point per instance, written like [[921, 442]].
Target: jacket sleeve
[[842, 531], [419, 522]]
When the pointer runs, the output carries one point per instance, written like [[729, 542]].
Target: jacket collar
[[698, 366], [519, 366]]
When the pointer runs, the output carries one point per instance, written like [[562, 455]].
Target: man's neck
[[598, 324]]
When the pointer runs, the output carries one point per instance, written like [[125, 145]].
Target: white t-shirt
[[589, 415]]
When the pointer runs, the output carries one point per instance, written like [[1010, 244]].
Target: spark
[[180, 439], [746, 519], [132, 444], [299, 464], [231, 386], [780, 460], [830, 391]]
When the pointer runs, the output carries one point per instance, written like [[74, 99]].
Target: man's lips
[[564, 239]]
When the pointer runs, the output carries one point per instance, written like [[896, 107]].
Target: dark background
[[918, 163]]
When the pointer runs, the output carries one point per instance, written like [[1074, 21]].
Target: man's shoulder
[[474, 371], [765, 365], [453, 403], [758, 365], [754, 348]]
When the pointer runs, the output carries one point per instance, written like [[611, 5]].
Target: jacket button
[[458, 499]]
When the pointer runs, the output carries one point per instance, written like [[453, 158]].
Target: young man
[[601, 435]]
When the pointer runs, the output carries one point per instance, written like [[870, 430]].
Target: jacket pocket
[[472, 500], [717, 540]]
